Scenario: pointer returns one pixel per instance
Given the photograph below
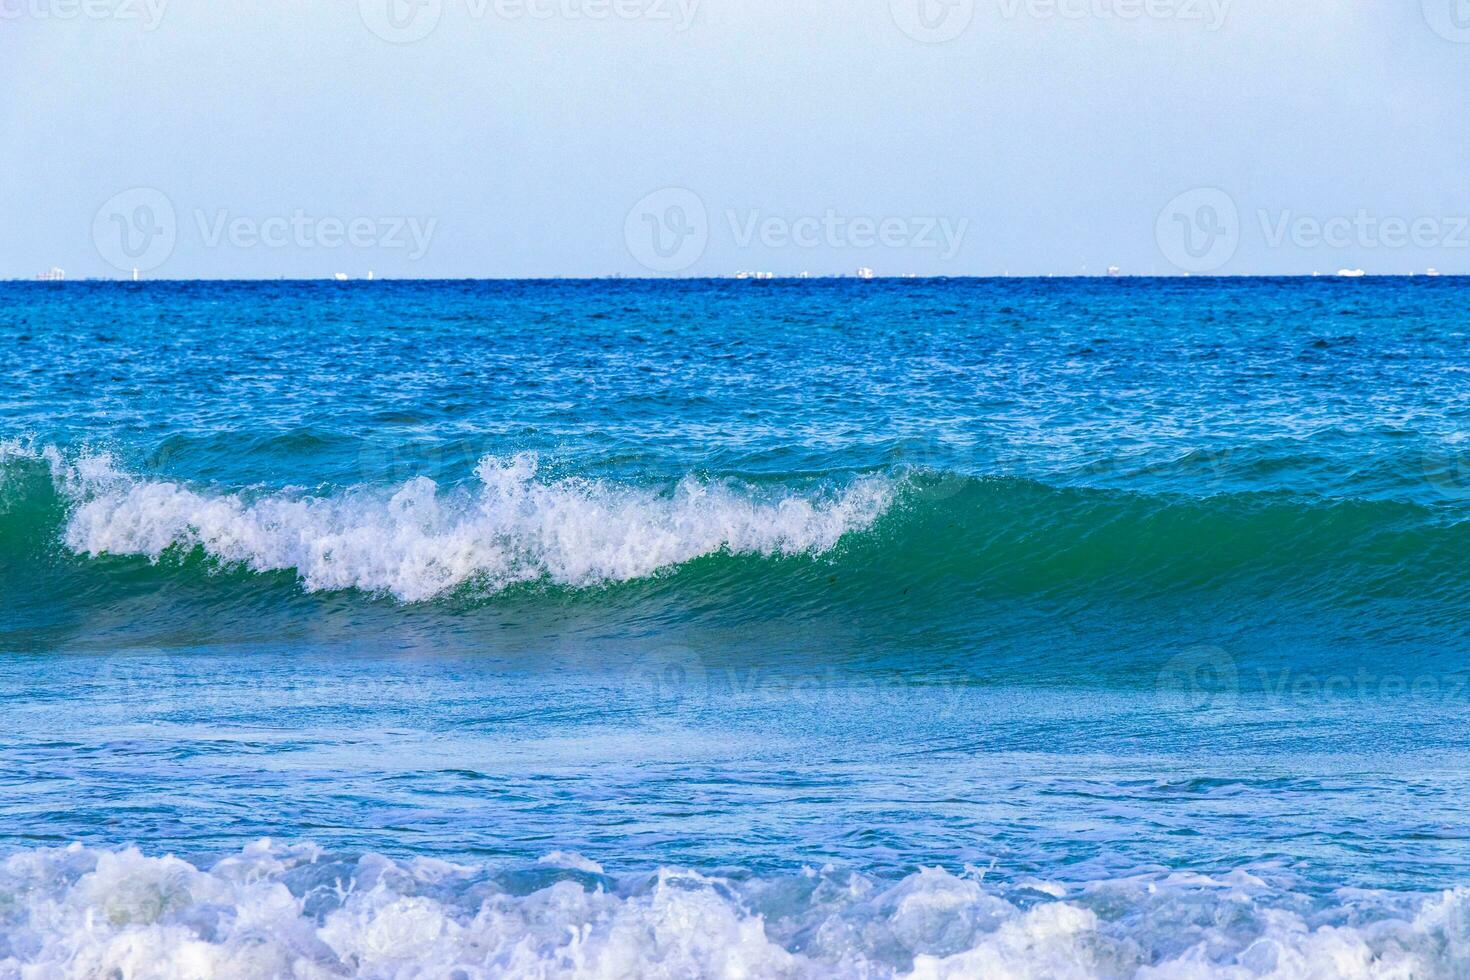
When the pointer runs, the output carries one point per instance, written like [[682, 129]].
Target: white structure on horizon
[[52, 274], [1432, 271], [1351, 273], [865, 273]]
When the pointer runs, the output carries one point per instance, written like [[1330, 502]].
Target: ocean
[[994, 628]]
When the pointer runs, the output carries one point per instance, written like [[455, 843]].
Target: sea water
[[1007, 628]]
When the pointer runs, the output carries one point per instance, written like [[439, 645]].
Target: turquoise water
[[822, 628]]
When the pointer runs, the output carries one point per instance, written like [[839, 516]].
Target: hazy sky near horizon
[[493, 138]]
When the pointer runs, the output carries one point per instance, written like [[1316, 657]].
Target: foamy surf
[[290, 911], [421, 541]]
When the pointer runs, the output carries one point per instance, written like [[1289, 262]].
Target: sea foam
[[274, 911], [420, 541]]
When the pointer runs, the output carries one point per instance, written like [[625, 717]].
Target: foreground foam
[[422, 541], [276, 911]]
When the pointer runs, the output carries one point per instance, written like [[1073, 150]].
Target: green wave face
[[962, 569]]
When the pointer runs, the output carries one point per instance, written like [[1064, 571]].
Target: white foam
[[276, 911], [419, 541], [576, 862]]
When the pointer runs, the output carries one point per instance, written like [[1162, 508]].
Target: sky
[[530, 138]]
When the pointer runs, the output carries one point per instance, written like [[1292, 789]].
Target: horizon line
[[41, 280]]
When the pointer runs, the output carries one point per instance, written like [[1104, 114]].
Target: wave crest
[[422, 541], [277, 910]]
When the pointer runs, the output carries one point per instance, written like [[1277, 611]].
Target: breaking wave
[[422, 541], [274, 911], [910, 545]]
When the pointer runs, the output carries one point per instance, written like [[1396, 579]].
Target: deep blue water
[[706, 616]]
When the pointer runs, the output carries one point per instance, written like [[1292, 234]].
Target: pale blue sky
[[813, 134]]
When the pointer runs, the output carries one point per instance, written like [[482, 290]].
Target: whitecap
[[277, 910], [421, 541]]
